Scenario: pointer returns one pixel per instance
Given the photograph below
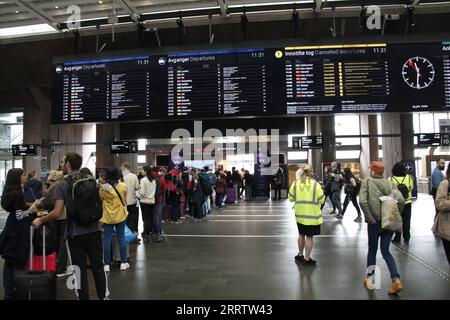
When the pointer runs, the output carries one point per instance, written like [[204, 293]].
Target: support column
[[369, 146], [105, 134], [37, 130], [329, 139], [407, 131], [315, 155], [392, 146]]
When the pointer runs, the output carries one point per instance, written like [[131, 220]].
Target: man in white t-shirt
[[132, 182]]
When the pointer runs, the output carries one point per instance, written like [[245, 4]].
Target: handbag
[[391, 219]]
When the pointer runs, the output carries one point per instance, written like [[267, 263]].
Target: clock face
[[418, 73]]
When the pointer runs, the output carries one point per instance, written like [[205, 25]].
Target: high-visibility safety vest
[[308, 197], [408, 181]]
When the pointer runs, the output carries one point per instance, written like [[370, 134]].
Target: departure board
[[274, 81], [216, 83]]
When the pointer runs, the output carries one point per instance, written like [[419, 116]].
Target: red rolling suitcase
[[36, 284]]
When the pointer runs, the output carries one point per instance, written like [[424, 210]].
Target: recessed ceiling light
[[56, 7], [100, 2], [17, 11]]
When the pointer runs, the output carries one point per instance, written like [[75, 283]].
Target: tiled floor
[[246, 252]]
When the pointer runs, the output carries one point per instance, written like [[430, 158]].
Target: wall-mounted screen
[[123, 147], [311, 142], [429, 140], [24, 150], [279, 81]]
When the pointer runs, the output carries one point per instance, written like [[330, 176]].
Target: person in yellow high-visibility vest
[[401, 177], [308, 197]]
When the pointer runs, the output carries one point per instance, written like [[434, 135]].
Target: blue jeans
[[219, 199], [375, 232], [158, 218], [174, 211], [107, 241]]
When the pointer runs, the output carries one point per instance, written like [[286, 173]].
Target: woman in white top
[[147, 192]]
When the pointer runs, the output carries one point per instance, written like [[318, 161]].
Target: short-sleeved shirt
[[62, 192]]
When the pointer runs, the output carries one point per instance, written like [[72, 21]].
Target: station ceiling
[[16, 13]]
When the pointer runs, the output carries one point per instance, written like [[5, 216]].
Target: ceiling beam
[[130, 9], [223, 7], [35, 12]]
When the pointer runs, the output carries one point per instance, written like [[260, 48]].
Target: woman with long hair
[[147, 192], [113, 194], [308, 197], [351, 193], [15, 238]]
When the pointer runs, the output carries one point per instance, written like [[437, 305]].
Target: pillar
[[369, 146], [407, 131], [392, 146], [37, 130], [329, 138], [315, 155]]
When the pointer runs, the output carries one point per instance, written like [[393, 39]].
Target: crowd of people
[[92, 215]]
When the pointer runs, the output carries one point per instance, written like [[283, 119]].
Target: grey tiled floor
[[246, 252]]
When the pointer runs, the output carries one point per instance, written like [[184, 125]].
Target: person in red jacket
[[159, 201]]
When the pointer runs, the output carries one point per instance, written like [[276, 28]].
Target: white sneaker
[[124, 266], [106, 268]]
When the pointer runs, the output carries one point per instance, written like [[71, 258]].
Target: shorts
[[308, 230]]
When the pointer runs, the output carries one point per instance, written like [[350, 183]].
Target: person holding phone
[[15, 237]]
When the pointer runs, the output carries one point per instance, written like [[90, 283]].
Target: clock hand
[[418, 77]]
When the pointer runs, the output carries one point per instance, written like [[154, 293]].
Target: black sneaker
[[299, 258], [159, 238], [396, 242], [310, 262]]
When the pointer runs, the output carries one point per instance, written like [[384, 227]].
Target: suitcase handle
[[44, 256]]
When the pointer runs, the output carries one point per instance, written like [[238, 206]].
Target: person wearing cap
[[369, 199]]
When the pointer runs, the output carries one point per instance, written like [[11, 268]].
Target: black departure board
[[217, 83], [117, 147], [271, 81], [311, 142], [24, 150], [429, 140]]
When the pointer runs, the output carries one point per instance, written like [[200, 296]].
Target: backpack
[[404, 190], [358, 185], [86, 200], [206, 184]]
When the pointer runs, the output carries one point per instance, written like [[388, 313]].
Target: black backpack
[[358, 185], [206, 184], [86, 200], [404, 190]]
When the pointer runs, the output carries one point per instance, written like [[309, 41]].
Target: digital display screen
[[429, 140], [123, 147], [280, 81], [311, 142], [24, 150]]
